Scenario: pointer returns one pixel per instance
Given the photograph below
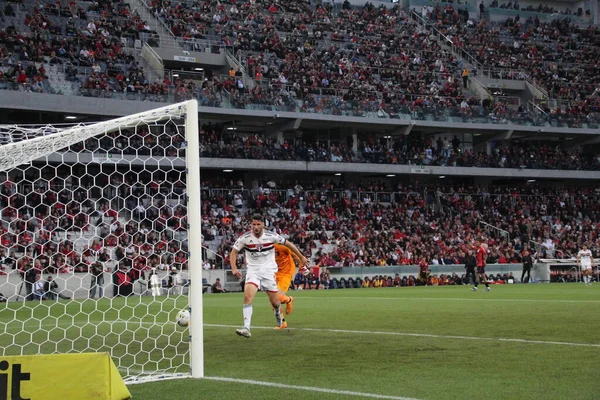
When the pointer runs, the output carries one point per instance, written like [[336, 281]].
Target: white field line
[[162, 377], [346, 331], [307, 388], [423, 335], [452, 299]]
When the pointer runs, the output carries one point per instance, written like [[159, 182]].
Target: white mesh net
[[93, 245]]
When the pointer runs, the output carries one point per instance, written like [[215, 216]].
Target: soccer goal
[[100, 226]]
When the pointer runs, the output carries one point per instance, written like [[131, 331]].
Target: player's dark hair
[[258, 217]]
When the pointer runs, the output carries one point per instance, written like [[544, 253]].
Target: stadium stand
[[218, 142], [367, 61], [357, 61]]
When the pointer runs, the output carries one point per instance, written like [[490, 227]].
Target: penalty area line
[[422, 335], [307, 388]]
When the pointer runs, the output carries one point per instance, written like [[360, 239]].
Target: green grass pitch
[[436, 343]]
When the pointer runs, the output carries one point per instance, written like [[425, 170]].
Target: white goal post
[[95, 207]]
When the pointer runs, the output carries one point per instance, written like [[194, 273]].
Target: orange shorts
[[283, 281]]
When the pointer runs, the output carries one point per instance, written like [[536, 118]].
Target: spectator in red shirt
[[482, 250]]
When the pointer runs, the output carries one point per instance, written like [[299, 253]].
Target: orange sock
[[283, 298]]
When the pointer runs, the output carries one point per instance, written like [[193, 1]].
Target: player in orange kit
[[286, 269]]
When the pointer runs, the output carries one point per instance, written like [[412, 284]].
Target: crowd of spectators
[[138, 220], [357, 61], [24, 76], [350, 225], [63, 225], [557, 55], [85, 41], [375, 61]]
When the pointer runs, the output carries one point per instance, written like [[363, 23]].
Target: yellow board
[[89, 376]]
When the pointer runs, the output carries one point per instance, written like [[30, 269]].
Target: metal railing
[[534, 108], [582, 21], [219, 260], [446, 40], [510, 101], [153, 59], [551, 252], [501, 231], [494, 72], [407, 107]]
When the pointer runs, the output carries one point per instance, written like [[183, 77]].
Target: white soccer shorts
[[263, 278], [586, 267]]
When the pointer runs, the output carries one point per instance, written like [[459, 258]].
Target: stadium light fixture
[[338, 174], [390, 175], [387, 137], [442, 176], [198, 69], [70, 117], [175, 75], [232, 128], [530, 180], [227, 170]]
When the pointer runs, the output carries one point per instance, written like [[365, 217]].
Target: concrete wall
[[540, 272], [205, 58], [331, 167], [16, 100], [501, 83], [76, 285]]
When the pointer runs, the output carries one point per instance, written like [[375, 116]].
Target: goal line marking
[[161, 377], [422, 335], [307, 388]]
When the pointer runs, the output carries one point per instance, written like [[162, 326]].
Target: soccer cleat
[[487, 289], [245, 332], [282, 326], [474, 288], [289, 306]]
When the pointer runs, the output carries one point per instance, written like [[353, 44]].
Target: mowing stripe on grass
[[452, 299], [424, 335], [307, 388]]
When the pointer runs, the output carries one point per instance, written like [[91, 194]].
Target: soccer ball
[[304, 271], [183, 318]]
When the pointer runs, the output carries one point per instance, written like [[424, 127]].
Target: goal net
[[96, 225]]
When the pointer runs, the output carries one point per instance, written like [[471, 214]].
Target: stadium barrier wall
[[540, 272], [76, 285]]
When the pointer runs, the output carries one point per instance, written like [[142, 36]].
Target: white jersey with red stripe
[[585, 257], [259, 251]]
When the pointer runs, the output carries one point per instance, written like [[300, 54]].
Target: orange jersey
[[284, 258]]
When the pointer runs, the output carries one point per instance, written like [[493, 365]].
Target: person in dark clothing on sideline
[[216, 287], [527, 265], [470, 264]]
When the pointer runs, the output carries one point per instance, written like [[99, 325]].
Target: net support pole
[[194, 240]]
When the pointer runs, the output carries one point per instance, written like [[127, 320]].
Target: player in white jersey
[[259, 246], [585, 260]]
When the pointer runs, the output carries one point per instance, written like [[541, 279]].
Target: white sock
[[247, 310]]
